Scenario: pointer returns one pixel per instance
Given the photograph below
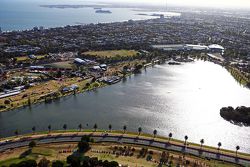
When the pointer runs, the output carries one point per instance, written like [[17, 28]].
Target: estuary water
[[184, 100], [26, 14]]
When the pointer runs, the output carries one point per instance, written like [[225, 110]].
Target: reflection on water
[[184, 100]]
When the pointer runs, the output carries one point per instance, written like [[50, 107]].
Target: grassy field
[[26, 58], [112, 53], [64, 64], [104, 151]]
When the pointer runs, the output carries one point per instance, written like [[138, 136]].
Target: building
[[215, 48], [32, 56], [79, 61]]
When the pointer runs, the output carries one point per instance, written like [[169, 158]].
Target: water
[[26, 14], [184, 100]]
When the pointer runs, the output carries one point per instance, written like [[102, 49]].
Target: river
[[184, 100]]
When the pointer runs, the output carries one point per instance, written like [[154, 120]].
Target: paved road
[[127, 140]]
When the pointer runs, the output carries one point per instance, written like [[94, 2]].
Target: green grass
[[112, 53], [65, 64], [10, 161], [34, 155], [43, 151]]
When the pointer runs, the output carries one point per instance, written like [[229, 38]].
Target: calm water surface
[[26, 14], [184, 100]]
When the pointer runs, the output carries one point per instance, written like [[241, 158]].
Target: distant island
[[239, 115]]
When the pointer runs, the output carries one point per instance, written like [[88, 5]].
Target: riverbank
[[46, 92], [238, 75], [73, 134]]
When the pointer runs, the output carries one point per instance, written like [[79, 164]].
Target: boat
[[174, 63], [103, 11]]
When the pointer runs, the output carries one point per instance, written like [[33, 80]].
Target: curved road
[[60, 138]]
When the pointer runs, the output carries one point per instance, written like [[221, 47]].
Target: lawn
[[53, 152], [64, 64], [26, 58], [112, 53]]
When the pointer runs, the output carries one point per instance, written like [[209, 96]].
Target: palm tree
[[110, 127], [95, 127], [65, 127], [49, 128], [202, 142], [155, 133], [33, 129], [219, 145], [170, 135], [139, 131], [124, 128], [237, 148], [80, 127], [16, 132], [186, 138]]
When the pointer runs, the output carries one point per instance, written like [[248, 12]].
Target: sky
[[200, 3], [203, 3]]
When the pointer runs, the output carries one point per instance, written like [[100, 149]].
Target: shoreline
[[144, 136], [102, 84], [37, 101]]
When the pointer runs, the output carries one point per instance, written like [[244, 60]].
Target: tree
[[186, 138], [49, 128], [124, 128], [219, 145], [202, 142], [65, 127], [80, 127], [110, 127], [85, 138], [43, 163], [170, 135], [95, 127], [155, 133], [57, 164], [237, 149], [83, 146], [16, 132], [139, 131], [33, 129], [73, 160], [32, 144]]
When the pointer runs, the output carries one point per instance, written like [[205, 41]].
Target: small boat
[[103, 11], [174, 63]]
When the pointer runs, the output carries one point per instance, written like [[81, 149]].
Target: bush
[[32, 144], [57, 164], [73, 161], [149, 158], [6, 102], [43, 163]]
